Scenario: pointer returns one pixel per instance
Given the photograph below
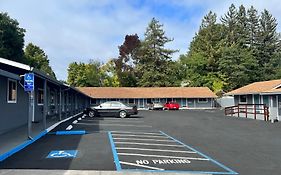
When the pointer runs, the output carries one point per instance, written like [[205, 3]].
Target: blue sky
[[79, 30]]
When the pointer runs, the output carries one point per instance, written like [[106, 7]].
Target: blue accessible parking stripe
[[158, 152]]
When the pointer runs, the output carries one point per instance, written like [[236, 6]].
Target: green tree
[[230, 22], [11, 38], [153, 65], [83, 75], [252, 27], [268, 38], [201, 62], [36, 57], [242, 27], [238, 67], [108, 73]]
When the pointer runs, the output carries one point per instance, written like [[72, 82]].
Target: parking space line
[[131, 132], [230, 171], [69, 127], [172, 157], [144, 139], [152, 144], [114, 152], [143, 166], [113, 121], [133, 135], [156, 150], [104, 124]]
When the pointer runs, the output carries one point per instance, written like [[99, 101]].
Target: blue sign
[[62, 154], [29, 82]]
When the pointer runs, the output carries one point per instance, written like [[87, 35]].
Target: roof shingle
[[258, 87], [148, 92]]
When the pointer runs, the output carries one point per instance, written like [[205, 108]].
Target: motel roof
[[263, 87], [148, 92]]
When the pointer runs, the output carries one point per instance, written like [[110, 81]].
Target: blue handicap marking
[[62, 154]]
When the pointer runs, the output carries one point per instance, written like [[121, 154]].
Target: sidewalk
[[19, 136]]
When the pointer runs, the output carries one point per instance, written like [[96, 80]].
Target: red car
[[171, 105]]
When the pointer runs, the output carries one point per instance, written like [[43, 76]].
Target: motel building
[[50, 101], [187, 97], [257, 100]]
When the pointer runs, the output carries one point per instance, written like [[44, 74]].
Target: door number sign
[[62, 154]]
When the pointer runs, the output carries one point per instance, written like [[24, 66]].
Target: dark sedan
[[112, 108]]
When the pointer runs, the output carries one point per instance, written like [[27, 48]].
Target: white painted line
[[111, 118], [79, 118], [156, 150], [114, 121], [143, 166], [133, 135], [152, 144], [145, 139], [75, 121], [56, 124], [130, 132], [103, 124], [172, 157], [69, 127]]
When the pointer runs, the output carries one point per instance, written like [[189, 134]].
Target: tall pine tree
[[153, 64]]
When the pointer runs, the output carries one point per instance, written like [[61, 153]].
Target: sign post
[[29, 87]]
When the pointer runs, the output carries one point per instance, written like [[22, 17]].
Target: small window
[[115, 104], [243, 99], [202, 100], [12, 91], [106, 104], [40, 97]]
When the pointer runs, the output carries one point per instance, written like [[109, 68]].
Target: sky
[[80, 30]]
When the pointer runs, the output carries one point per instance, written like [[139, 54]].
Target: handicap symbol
[[62, 154]]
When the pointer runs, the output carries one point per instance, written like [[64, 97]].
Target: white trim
[[278, 86], [16, 64], [14, 101], [277, 100]]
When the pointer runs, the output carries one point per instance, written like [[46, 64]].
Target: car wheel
[[92, 113], [122, 114]]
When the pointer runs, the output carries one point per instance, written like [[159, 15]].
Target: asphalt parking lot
[[196, 141]]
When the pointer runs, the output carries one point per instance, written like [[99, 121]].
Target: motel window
[[202, 100], [40, 97], [243, 99], [131, 100], [12, 91]]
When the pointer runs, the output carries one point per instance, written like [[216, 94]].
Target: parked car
[[112, 108], [157, 106], [171, 105]]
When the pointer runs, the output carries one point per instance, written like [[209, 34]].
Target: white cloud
[[71, 30]]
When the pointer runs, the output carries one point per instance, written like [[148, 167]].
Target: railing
[[247, 110]]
